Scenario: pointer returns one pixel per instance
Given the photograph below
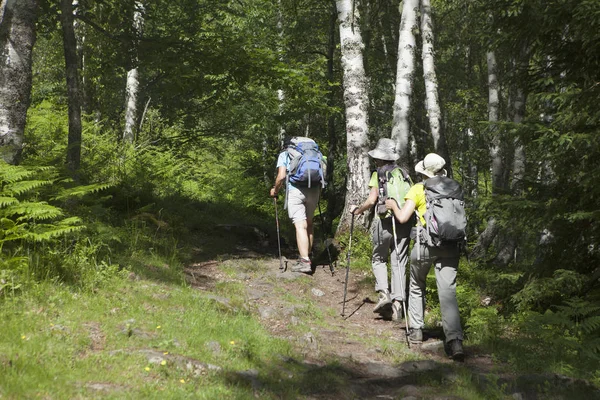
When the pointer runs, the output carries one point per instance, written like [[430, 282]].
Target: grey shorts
[[302, 202]]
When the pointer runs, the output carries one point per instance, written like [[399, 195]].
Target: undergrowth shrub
[[360, 252], [32, 223]]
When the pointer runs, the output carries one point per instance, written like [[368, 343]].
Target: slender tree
[[17, 37], [404, 79], [72, 76], [133, 83], [356, 102], [432, 102]]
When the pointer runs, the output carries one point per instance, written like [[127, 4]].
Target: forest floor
[[368, 354]]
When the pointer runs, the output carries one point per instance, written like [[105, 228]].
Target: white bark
[[133, 83], [493, 117], [404, 79], [519, 154], [17, 37], [356, 102], [280, 92], [431, 87]]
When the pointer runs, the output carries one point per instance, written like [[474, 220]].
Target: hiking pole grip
[[278, 239], [348, 265]]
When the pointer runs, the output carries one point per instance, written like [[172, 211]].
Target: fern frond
[[43, 233], [579, 308], [69, 221], [5, 201], [591, 324], [21, 187], [14, 173], [80, 191], [33, 210]]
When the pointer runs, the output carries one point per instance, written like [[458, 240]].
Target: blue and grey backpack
[[306, 164]]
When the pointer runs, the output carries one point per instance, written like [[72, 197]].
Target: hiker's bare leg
[[303, 239]]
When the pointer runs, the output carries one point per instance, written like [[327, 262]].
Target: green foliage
[[361, 250], [485, 326], [540, 292], [29, 220]]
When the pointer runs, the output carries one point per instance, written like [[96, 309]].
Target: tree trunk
[[133, 82], [17, 37], [71, 64], [356, 102], [431, 85], [493, 117], [404, 80], [486, 238], [330, 192]]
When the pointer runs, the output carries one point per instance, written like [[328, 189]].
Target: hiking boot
[[383, 302], [455, 350], [396, 310], [415, 336], [302, 266]]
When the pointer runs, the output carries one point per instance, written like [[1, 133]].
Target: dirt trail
[[354, 341], [370, 354]]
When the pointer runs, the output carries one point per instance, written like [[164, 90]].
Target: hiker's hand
[[273, 193], [353, 210], [390, 204]]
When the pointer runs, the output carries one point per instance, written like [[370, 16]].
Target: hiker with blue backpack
[[301, 168], [389, 239], [440, 232]]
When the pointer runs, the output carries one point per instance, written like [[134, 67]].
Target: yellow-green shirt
[[417, 194], [374, 182]]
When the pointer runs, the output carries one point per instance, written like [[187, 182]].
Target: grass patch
[[65, 344]]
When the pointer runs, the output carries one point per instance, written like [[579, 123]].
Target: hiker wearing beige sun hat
[[388, 181], [431, 165], [444, 256]]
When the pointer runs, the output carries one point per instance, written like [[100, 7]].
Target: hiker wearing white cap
[[388, 238], [443, 255]]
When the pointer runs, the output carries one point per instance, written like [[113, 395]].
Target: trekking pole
[[281, 267], [348, 265], [324, 241], [402, 280]]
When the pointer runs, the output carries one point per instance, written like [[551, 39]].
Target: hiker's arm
[[369, 202], [402, 214], [279, 181]]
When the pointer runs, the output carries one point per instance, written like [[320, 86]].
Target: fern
[[32, 211], [5, 201], [591, 324], [80, 191], [18, 188], [45, 232]]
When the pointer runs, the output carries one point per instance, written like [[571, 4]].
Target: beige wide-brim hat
[[385, 150], [431, 165]]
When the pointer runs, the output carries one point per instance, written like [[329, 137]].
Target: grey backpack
[[445, 218]]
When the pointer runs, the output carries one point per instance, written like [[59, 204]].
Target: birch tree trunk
[[431, 85], [17, 37], [493, 118], [519, 153], [404, 79], [72, 77], [356, 103], [486, 238], [133, 83]]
